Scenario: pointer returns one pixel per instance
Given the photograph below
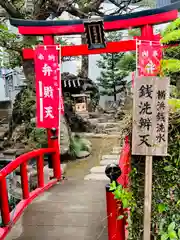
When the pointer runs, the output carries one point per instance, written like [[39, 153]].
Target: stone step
[[98, 169], [116, 152], [111, 157], [117, 148], [99, 135], [93, 121], [113, 130], [109, 161], [98, 177], [108, 125], [102, 120], [3, 129]]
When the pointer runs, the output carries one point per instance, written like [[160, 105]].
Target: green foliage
[[171, 27], [174, 104], [112, 79], [13, 44], [128, 62], [124, 195], [171, 233], [170, 65], [37, 137], [24, 105], [134, 32], [76, 145], [165, 192], [171, 37]]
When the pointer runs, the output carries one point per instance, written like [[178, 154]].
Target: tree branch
[[11, 9], [37, 6], [59, 7]]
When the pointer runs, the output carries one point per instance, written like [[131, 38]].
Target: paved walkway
[[70, 210]]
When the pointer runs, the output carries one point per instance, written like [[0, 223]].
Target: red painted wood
[[24, 180], [40, 170], [22, 205], [124, 164], [122, 46], [141, 21], [4, 205], [48, 40], [22, 161], [116, 228], [53, 30], [24, 158], [147, 32], [56, 159], [108, 26], [156, 37]]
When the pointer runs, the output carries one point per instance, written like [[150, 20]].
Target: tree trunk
[[85, 61], [114, 87], [178, 86], [115, 97], [28, 67]]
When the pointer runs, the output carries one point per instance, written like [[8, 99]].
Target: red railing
[[8, 219], [117, 229], [124, 164]]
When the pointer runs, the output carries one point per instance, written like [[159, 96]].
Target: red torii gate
[[144, 20]]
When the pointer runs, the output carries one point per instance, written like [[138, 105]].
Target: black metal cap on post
[[113, 172], [54, 133]]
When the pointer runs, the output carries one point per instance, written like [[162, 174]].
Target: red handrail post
[[56, 156], [4, 203], [24, 180], [49, 141], [116, 227], [40, 172]]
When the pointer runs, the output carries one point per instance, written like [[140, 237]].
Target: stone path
[[98, 172], [70, 210]]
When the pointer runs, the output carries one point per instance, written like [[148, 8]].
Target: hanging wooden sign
[[94, 31], [150, 116]]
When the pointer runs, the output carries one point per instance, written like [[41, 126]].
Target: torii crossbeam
[[144, 19]]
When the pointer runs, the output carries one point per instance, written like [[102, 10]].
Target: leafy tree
[[170, 64], [116, 67], [112, 79], [128, 61]]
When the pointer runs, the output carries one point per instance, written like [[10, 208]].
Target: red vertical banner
[[48, 86], [149, 57]]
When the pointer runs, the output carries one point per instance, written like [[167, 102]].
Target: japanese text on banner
[[48, 86], [149, 56], [150, 116]]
